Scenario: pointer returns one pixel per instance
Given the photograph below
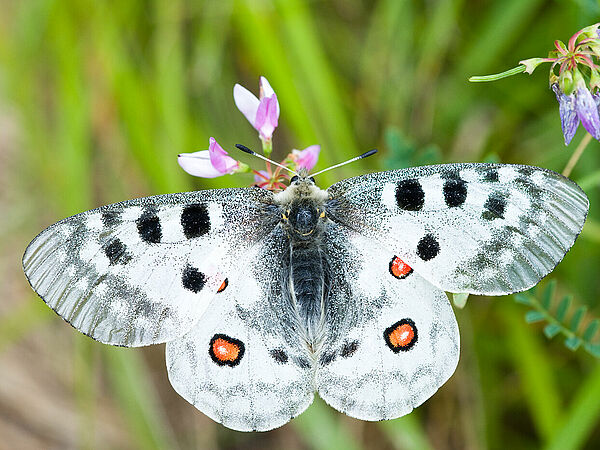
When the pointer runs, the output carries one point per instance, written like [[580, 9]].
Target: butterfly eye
[[294, 179], [312, 179]]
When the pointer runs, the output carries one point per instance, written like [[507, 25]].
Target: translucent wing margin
[[142, 271], [477, 228]]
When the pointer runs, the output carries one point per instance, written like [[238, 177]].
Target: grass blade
[[581, 417]]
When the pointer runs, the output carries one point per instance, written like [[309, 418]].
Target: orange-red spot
[[223, 285], [225, 350], [402, 335], [399, 268]]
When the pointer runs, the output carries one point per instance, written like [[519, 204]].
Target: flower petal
[[587, 111], [267, 91], [568, 117], [198, 164], [265, 88], [267, 117], [308, 157], [246, 102], [219, 158]]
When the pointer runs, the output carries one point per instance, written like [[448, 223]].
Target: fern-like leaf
[[560, 320]]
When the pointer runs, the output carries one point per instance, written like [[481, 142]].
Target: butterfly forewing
[[477, 228], [143, 271]]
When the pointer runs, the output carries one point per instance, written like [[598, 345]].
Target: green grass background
[[98, 97]]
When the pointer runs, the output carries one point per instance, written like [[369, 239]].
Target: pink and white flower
[[306, 158], [263, 112], [210, 163]]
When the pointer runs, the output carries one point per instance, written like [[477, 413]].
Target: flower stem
[[267, 146], [515, 70], [577, 154]]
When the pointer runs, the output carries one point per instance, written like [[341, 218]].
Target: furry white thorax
[[303, 187]]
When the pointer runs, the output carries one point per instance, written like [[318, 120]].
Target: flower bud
[[565, 82]]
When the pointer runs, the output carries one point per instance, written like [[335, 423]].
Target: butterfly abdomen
[[308, 287]]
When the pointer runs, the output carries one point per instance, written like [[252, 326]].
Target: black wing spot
[[491, 175], [195, 220], [279, 355], [111, 218], [410, 195], [348, 349], [495, 206], [149, 228], [115, 252], [327, 358], [455, 192], [192, 279], [526, 171], [303, 363], [428, 247]]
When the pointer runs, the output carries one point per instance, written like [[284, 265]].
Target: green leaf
[[563, 306], [577, 316], [551, 330], [523, 299], [534, 316], [573, 342], [591, 329], [593, 349], [548, 294]]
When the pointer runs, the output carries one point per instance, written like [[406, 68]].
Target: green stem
[[577, 154], [481, 78], [267, 146]]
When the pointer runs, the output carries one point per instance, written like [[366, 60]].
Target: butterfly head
[[302, 207]]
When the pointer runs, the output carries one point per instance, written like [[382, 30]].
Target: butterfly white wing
[[476, 228], [393, 340], [143, 271], [244, 363]]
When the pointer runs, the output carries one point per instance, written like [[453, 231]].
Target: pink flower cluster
[[263, 115]]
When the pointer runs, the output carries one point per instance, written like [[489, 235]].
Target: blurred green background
[[97, 98]]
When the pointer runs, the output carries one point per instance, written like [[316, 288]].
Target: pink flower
[[308, 157], [262, 113], [210, 163]]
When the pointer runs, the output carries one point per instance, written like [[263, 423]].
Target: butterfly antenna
[[364, 155], [253, 153]]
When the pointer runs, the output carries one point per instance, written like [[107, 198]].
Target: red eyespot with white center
[[399, 269], [225, 350], [402, 336]]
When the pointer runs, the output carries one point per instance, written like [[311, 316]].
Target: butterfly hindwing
[[244, 364], [143, 271], [476, 228], [395, 341]]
